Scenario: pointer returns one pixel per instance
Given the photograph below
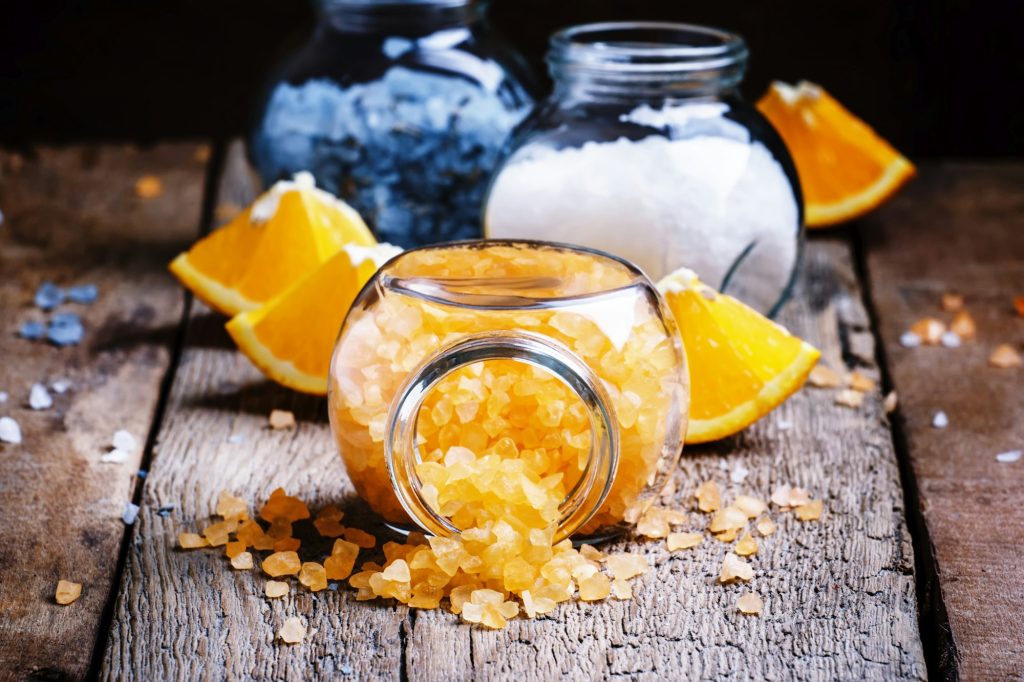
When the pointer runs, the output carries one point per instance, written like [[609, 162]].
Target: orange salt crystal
[[217, 534], [726, 536], [860, 382], [751, 506], [283, 508], [765, 526], [963, 325], [313, 576], [251, 534], [652, 525], [234, 548], [750, 604], [148, 187], [287, 544], [282, 563], [331, 512], [360, 538], [191, 541], [279, 530], [811, 511], [342, 560], [67, 592], [823, 376], [929, 329], [729, 518], [952, 302], [735, 569], [292, 632], [622, 589], [275, 589], [242, 562], [786, 496], [746, 546], [891, 402], [489, 608], [398, 571], [708, 497], [536, 606], [591, 553], [625, 566], [677, 541], [595, 587], [1005, 357], [229, 506], [849, 398], [1018, 304], [329, 528], [281, 419]]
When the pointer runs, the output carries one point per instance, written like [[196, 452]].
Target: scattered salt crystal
[[165, 510], [48, 296], [142, 473], [940, 420], [32, 330], [123, 440], [823, 376], [115, 456], [910, 340], [65, 329], [39, 398], [950, 340], [929, 330], [10, 432], [1005, 357], [750, 604], [131, 512], [394, 47], [83, 293], [148, 187], [738, 474], [1009, 457], [849, 398], [723, 465], [3, 396], [784, 425], [952, 302], [61, 386], [292, 631], [235, 438], [890, 402], [281, 419]]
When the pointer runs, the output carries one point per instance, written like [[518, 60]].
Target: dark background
[[936, 77]]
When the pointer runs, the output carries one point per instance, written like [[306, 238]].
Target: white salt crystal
[[910, 340], [39, 398], [3, 396], [235, 438], [131, 512], [115, 456], [738, 474], [123, 440], [10, 432], [940, 420], [950, 340], [784, 425], [61, 385], [1009, 457]]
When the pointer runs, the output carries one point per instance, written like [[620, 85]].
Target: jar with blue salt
[[400, 107]]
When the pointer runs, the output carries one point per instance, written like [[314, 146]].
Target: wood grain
[[71, 216], [839, 594], [959, 228]]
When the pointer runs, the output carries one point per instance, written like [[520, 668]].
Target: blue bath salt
[[49, 296], [32, 330], [412, 152], [65, 329], [83, 293]]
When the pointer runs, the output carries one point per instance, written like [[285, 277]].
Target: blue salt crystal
[[165, 510], [49, 296], [83, 293], [393, 48], [65, 329], [141, 473], [32, 330]]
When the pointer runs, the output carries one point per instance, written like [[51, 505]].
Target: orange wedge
[[291, 337], [742, 365], [845, 168], [285, 235]]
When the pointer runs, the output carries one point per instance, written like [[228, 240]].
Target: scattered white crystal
[[723, 465], [61, 385], [235, 438], [123, 440], [115, 456], [1009, 457], [940, 420], [131, 512], [910, 340], [784, 425], [39, 398], [3, 396], [950, 340], [10, 432], [738, 474]]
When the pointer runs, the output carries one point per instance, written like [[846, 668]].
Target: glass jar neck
[[404, 17], [401, 452], [645, 61]]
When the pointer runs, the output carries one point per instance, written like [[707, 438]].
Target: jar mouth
[[647, 51]]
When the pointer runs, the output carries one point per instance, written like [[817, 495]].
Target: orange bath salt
[[765, 526], [929, 329], [489, 608], [729, 518], [1005, 356], [67, 592], [360, 538], [626, 566], [340, 563], [677, 541], [963, 325], [217, 534], [287, 545], [595, 587], [746, 545], [274, 589], [750, 604], [329, 528], [191, 541], [735, 569], [282, 563], [231, 507], [709, 499], [242, 561], [313, 576], [292, 631], [234, 548], [751, 506], [811, 511], [282, 507], [621, 589]]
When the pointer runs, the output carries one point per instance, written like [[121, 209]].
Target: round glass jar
[[645, 149], [555, 368], [400, 107]]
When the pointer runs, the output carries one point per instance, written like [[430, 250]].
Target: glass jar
[[554, 366], [645, 149], [400, 107]]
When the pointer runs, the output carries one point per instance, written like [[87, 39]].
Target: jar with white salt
[[646, 149]]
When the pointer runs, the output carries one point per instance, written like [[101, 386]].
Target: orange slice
[[845, 168], [291, 338], [742, 365], [285, 235]]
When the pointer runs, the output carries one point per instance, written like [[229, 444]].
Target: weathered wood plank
[[72, 216], [839, 595], [959, 227]]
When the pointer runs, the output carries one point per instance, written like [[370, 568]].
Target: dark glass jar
[[400, 107], [646, 150]]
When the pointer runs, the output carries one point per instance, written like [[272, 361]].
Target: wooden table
[[914, 570]]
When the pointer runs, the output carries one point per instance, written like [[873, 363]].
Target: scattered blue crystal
[[333, 587], [32, 330], [412, 152], [142, 473], [49, 296], [393, 48], [83, 293], [165, 511], [65, 329], [345, 669]]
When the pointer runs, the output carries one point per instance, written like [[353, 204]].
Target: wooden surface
[[960, 227], [839, 594], [71, 216]]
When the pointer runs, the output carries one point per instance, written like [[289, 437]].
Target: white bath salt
[[10, 432], [131, 513], [1009, 457], [61, 386], [940, 420], [950, 340], [702, 202], [124, 440], [235, 438], [39, 398], [910, 340], [3, 396], [738, 474], [115, 456], [784, 425]]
